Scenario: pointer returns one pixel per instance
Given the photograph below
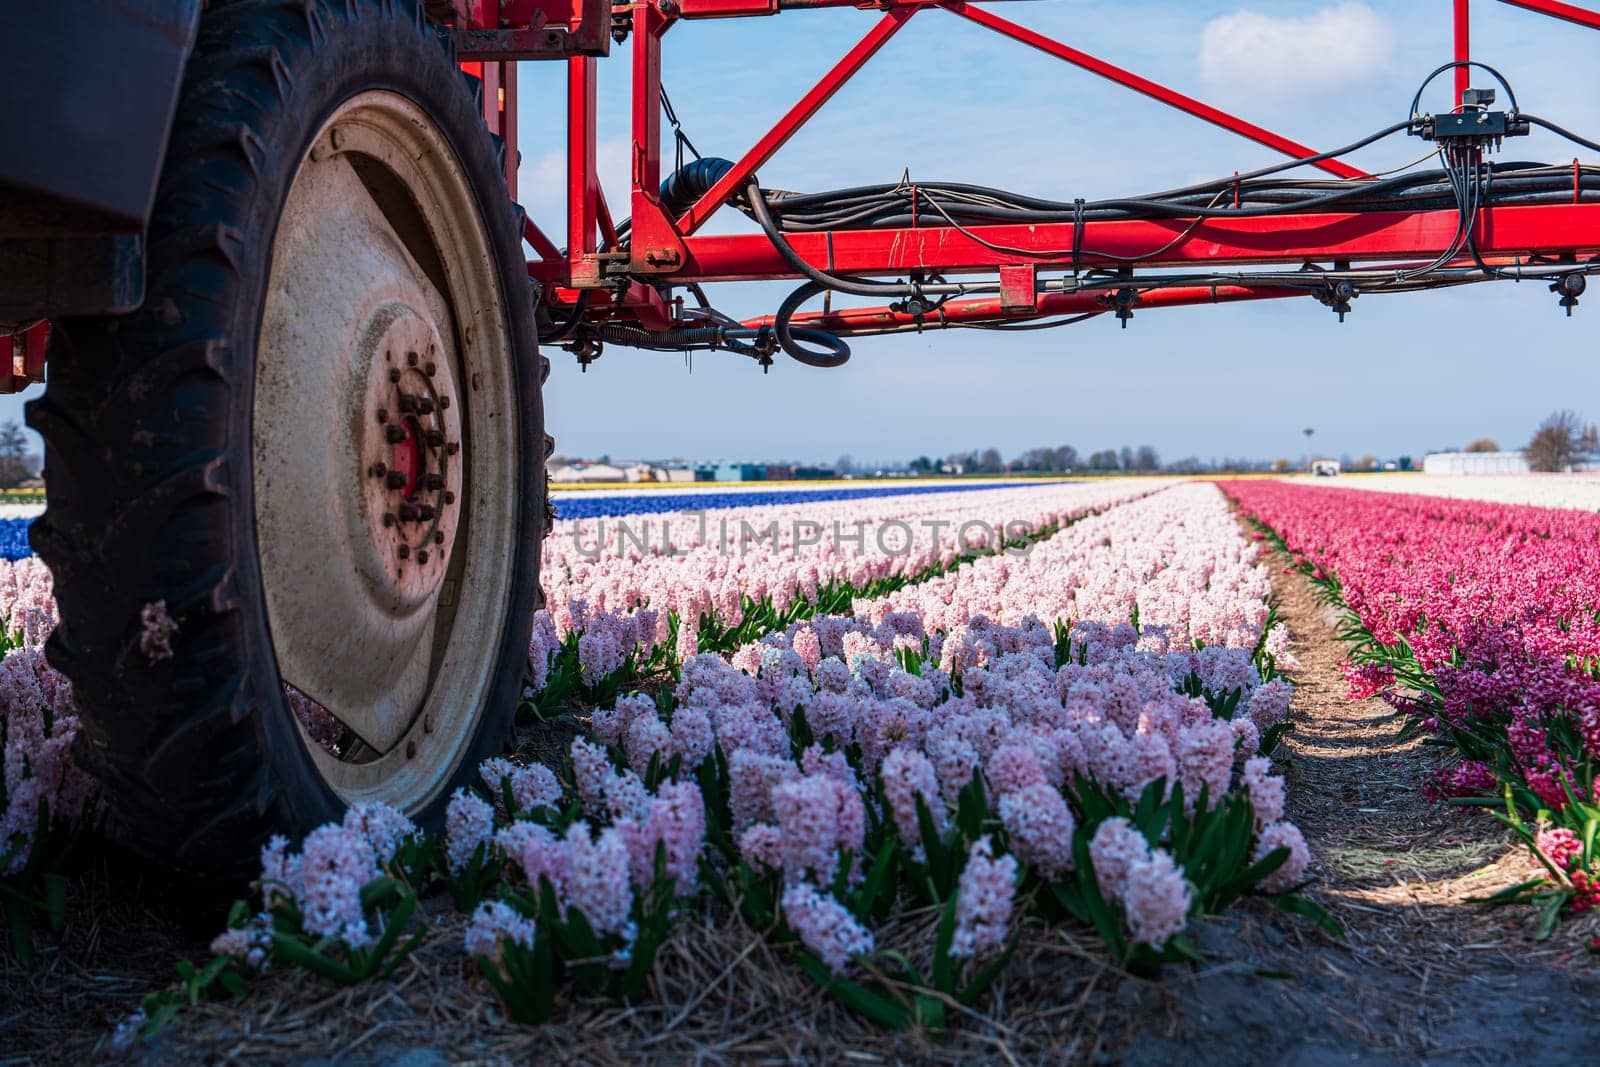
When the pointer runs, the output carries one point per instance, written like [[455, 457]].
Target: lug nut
[[449, 497], [379, 470], [394, 374], [444, 402], [407, 402], [394, 434], [383, 414], [395, 480], [452, 448], [435, 438], [425, 513], [422, 555], [405, 551], [388, 519], [438, 537], [435, 481], [411, 750], [408, 512], [425, 406], [429, 369], [411, 359]]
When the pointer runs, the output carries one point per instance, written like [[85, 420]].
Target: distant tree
[[1483, 444], [16, 465], [1066, 458], [1126, 456], [1368, 462], [922, 464], [845, 464], [1280, 466], [990, 461], [1560, 441], [1188, 465], [1146, 459], [1105, 460]]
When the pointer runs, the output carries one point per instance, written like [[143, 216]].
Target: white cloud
[[1325, 49]]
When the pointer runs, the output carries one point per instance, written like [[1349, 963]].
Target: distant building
[[731, 472], [1475, 463], [641, 472], [813, 473], [1325, 468], [586, 472]]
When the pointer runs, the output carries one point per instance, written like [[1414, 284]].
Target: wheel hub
[[411, 440]]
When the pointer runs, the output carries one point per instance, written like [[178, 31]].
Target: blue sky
[[949, 100]]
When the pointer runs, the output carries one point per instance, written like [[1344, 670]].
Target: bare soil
[[1424, 974]]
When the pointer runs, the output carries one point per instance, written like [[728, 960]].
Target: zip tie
[[1077, 237]]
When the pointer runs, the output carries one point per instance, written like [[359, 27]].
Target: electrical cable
[[837, 352], [1462, 183], [1561, 132]]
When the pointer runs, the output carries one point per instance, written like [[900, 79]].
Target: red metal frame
[[492, 35], [1570, 12], [667, 250]]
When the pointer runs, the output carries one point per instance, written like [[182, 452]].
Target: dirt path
[[1424, 975]]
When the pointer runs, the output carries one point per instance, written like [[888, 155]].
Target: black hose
[[569, 327], [1469, 64], [1561, 132], [758, 205], [789, 338], [686, 185], [663, 340]]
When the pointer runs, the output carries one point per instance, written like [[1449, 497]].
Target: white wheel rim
[[383, 351]]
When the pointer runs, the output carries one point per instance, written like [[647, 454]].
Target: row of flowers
[[713, 569], [1482, 623], [644, 604], [843, 771], [49, 807], [1578, 491]]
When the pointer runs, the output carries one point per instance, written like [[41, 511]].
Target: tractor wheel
[[295, 502]]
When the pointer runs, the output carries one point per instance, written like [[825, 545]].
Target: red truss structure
[[615, 282]]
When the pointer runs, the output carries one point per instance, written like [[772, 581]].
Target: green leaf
[[233, 983], [1550, 916], [1306, 908], [396, 925], [944, 968], [985, 978], [877, 877], [55, 899], [289, 949], [20, 919], [1512, 894], [857, 998]]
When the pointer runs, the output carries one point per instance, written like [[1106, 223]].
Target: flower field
[[1051, 704], [1542, 490], [902, 743], [1482, 623], [591, 505]]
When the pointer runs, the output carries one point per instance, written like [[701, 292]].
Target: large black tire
[[147, 428]]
